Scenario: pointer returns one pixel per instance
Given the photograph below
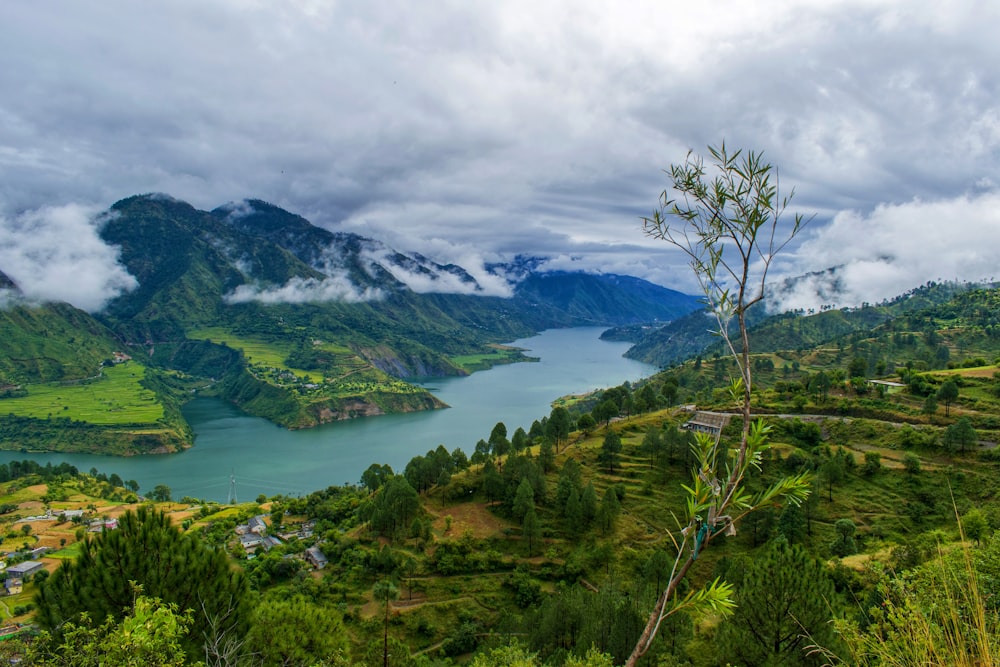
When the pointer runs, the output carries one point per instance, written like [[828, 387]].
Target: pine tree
[[782, 607], [531, 530], [610, 450], [608, 514], [147, 551]]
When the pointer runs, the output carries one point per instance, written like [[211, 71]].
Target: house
[[250, 541], [887, 386], [38, 552], [13, 586], [257, 525], [707, 422], [24, 570], [316, 557], [97, 525]]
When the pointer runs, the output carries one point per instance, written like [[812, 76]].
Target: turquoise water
[[264, 458]]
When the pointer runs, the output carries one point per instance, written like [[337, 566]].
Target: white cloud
[[537, 127], [299, 290], [898, 247], [55, 254]]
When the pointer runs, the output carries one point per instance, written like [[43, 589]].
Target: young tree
[[385, 592], [728, 226]]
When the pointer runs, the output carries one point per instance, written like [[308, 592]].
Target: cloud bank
[[55, 254], [897, 247], [524, 127]]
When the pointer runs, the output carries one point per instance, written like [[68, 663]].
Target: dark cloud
[[517, 127]]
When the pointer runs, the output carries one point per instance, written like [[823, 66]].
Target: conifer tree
[[783, 605], [147, 553]]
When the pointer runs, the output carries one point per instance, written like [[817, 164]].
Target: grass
[[259, 352], [116, 397], [501, 354]]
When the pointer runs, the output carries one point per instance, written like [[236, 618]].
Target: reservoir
[[266, 459]]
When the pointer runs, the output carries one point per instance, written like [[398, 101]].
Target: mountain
[[914, 310], [287, 320]]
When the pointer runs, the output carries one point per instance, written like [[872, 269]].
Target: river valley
[[261, 458]]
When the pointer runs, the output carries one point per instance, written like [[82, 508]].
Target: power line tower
[[232, 489]]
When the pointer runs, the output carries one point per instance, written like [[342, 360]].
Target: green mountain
[[287, 320], [931, 306]]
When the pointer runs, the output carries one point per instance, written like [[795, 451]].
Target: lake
[[266, 459]]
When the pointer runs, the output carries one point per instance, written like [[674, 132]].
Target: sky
[[473, 131]]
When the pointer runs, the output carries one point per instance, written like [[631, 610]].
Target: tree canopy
[[147, 554]]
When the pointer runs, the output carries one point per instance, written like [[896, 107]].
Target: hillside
[[288, 321]]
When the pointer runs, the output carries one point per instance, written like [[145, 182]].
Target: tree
[[148, 551], [605, 411], [524, 499], [391, 510], [947, 393], [974, 524], [792, 523], [960, 435], [820, 385], [782, 607], [843, 544], [930, 405], [160, 493], [499, 445], [728, 227], [608, 513], [546, 456], [151, 633], [586, 423], [385, 592], [293, 631], [375, 476], [559, 424], [610, 449], [531, 530], [833, 471]]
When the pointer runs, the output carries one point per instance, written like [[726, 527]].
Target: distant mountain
[[693, 334], [296, 323], [603, 298]]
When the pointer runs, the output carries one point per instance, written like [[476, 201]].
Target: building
[[316, 557], [24, 570], [707, 422]]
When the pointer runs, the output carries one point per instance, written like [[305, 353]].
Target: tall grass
[[940, 616]]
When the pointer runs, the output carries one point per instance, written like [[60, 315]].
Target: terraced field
[[114, 397]]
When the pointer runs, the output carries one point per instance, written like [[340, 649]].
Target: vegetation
[[551, 544]]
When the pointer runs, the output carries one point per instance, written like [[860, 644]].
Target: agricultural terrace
[[114, 397], [263, 356], [344, 373]]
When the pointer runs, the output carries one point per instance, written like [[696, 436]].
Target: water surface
[[267, 459]]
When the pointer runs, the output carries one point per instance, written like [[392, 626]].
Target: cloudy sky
[[469, 130]]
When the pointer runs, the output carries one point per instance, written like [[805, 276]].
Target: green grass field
[[273, 354], [116, 397]]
